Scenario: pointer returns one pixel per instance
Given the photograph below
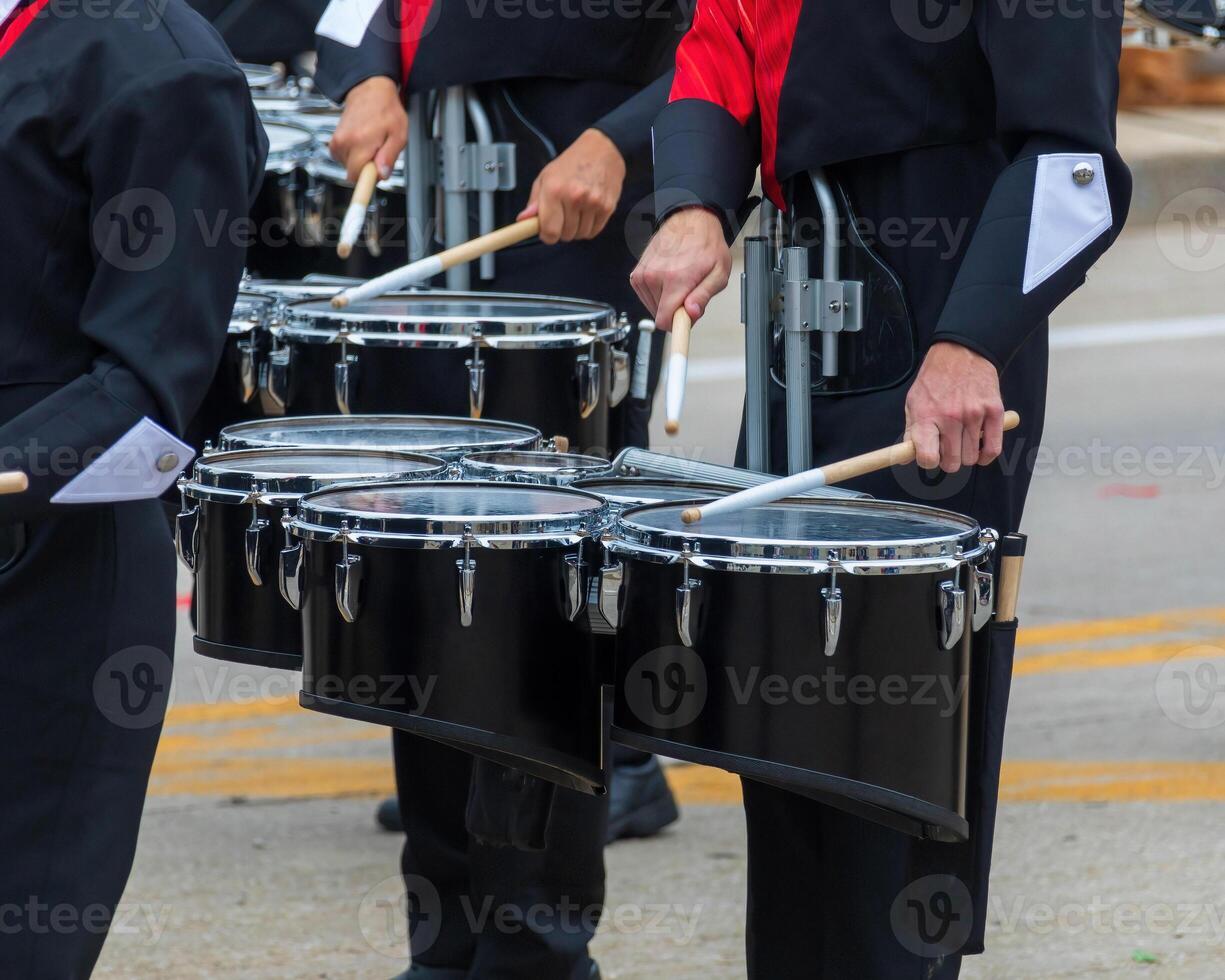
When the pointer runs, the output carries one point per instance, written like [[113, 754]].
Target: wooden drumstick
[[823, 476], [1012, 562], [560, 444], [14, 481], [678, 369], [355, 217], [432, 265]]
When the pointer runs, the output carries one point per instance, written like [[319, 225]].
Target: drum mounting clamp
[[348, 579], [187, 528], [476, 377], [466, 567], [832, 595], [686, 600], [289, 574], [984, 583], [254, 534], [345, 379], [950, 613]]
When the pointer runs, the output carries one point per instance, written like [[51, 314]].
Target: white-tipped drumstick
[[823, 476], [427, 268], [14, 481], [355, 217], [678, 368]]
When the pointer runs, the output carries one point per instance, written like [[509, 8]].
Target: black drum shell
[[520, 686], [223, 403], [236, 619], [531, 386], [898, 764]]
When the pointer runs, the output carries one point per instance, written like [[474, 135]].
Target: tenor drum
[[232, 397], [822, 646], [541, 468], [229, 533], [452, 610], [621, 493], [448, 438], [544, 361], [278, 249]]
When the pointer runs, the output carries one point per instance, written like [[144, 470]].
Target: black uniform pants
[[87, 602], [831, 895]]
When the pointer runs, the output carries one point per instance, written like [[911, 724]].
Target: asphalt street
[[259, 856]]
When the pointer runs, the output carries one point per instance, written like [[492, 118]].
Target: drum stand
[[779, 297], [455, 168]]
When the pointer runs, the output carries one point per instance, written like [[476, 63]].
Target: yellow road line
[[1102, 629], [1121, 782], [1144, 653]]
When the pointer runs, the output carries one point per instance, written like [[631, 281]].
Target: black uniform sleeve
[[172, 162], [351, 52], [629, 125], [1064, 196]]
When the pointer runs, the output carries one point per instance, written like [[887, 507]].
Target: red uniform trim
[[17, 23], [414, 24]]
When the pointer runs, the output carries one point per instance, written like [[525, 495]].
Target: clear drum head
[[449, 438], [636, 491], [288, 145], [437, 318], [553, 469], [450, 514], [860, 536]]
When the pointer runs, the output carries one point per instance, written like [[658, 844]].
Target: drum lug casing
[[345, 381], [575, 571], [950, 613], [832, 595], [688, 596], [293, 209], [348, 580], [187, 531], [984, 595], [289, 573], [276, 377], [253, 540], [248, 370], [604, 599], [311, 211], [587, 376], [466, 567], [476, 385], [622, 370]]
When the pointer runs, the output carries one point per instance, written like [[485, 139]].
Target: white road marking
[[722, 369]]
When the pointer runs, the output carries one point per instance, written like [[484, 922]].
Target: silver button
[[167, 462], [1083, 174]]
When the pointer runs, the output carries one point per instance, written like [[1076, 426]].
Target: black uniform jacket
[[799, 84], [429, 44], [131, 148]]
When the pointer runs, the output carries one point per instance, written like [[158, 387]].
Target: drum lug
[[576, 585], [248, 370], [620, 378], [833, 617], [254, 532], [951, 613], [345, 380], [686, 602], [466, 567], [348, 580], [312, 198], [276, 377], [984, 595], [476, 384], [604, 604], [371, 233], [587, 375], [289, 574], [187, 530]]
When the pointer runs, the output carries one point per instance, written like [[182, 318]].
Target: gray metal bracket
[[474, 167]]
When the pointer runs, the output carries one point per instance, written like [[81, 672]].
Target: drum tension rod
[[467, 578], [686, 618], [833, 608]]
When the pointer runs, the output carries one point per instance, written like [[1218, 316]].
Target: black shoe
[[589, 972], [431, 973], [641, 803], [388, 816]]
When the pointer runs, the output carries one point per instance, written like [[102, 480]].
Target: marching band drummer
[[130, 140], [582, 86], [998, 119]]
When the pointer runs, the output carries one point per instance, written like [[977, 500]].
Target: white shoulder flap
[[1071, 209], [140, 466], [346, 21]]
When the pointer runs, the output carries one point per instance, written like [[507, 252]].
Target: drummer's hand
[[576, 193], [688, 261], [954, 412], [374, 126]]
